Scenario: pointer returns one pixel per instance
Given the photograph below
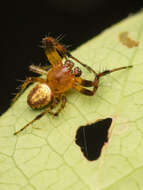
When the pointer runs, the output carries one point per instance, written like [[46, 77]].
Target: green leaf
[[47, 158]]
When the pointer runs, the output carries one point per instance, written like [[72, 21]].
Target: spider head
[[39, 96]]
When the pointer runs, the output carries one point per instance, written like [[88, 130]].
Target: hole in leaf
[[91, 138]]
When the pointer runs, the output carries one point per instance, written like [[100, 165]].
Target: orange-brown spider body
[[60, 78]]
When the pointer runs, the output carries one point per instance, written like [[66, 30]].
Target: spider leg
[[85, 83], [64, 100], [25, 84], [79, 86], [47, 67], [106, 72], [53, 56], [48, 110], [65, 53], [84, 65], [39, 70], [85, 91]]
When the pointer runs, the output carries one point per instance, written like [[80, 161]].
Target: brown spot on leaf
[[127, 41], [91, 138]]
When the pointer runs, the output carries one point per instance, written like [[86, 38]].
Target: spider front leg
[[84, 65], [86, 83], [25, 84], [55, 51], [52, 55], [48, 110], [106, 72]]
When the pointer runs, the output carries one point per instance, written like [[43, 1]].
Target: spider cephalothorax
[[60, 78]]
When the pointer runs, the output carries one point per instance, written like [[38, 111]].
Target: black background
[[24, 24]]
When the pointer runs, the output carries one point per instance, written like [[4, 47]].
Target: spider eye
[[77, 72], [69, 64]]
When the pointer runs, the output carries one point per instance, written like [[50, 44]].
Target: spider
[[60, 78]]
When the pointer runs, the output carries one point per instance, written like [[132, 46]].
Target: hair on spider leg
[[60, 37], [19, 80], [109, 83], [46, 35], [102, 84], [109, 71], [39, 64], [68, 46], [102, 68], [41, 41], [13, 94], [18, 87], [104, 88], [49, 34]]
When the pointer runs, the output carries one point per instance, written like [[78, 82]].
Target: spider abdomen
[[39, 96]]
